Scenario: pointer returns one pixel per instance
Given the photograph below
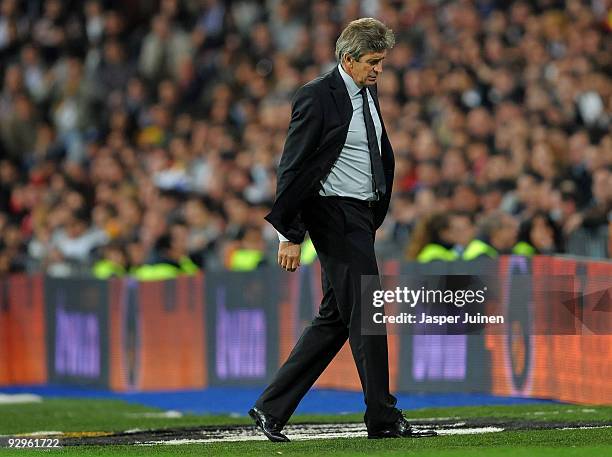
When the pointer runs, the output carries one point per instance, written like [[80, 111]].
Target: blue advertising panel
[[77, 331], [242, 327]]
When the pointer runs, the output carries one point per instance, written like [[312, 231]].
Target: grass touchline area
[[94, 415]]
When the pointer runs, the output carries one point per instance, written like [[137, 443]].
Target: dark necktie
[[378, 173]]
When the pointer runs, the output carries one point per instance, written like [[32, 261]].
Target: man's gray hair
[[362, 36], [492, 223]]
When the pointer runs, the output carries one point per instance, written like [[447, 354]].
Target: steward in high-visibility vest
[[113, 262], [105, 268], [432, 240], [243, 259], [498, 233], [249, 252], [165, 269], [156, 272], [478, 248], [187, 265], [524, 248], [309, 253], [434, 251], [169, 264]]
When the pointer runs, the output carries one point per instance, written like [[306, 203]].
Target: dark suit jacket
[[320, 118]]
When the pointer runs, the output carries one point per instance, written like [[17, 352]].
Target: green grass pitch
[[76, 416]]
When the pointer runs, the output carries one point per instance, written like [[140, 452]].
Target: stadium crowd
[[140, 133]]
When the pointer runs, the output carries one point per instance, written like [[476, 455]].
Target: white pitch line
[[157, 415], [560, 411], [10, 399], [431, 419], [358, 431], [470, 431], [40, 433], [585, 427], [305, 436]]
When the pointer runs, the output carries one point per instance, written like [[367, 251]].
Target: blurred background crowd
[[141, 132]]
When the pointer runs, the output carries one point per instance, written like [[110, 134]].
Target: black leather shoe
[[268, 425], [400, 429]]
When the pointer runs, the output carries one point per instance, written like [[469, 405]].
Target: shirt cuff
[[281, 237]]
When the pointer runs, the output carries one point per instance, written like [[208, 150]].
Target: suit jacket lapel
[[341, 96]]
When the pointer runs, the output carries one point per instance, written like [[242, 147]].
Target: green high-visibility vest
[[523, 248], [435, 251], [245, 259], [188, 266], [309, 253], [104, 269], [477, 248], [162, 271], [156, 272]]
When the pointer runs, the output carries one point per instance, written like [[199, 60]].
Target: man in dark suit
[[334, 182]]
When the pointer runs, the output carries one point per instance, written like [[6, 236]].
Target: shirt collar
[[351, 85]]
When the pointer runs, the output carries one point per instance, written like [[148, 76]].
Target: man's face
[[366, 70], [505, 237], [462, 229], [600, 186]]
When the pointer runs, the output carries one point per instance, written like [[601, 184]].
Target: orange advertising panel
[[24, 330], [568, 367], [5, 376], [171, 332], [157, 339], [119, 364]]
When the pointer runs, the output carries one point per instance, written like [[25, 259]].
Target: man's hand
[[289, 255]]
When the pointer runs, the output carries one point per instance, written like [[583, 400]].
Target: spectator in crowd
[[76, 239], [401, 219], [465, 197], [164, 49], [204, 229], [539, 234], [599, 210], [128, 115]]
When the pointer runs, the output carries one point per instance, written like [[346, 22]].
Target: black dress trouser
[[342, 231]]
